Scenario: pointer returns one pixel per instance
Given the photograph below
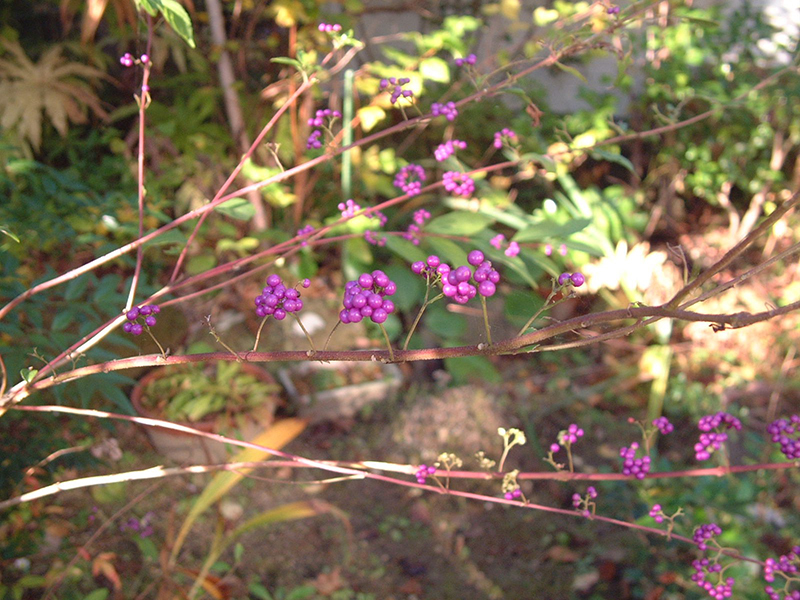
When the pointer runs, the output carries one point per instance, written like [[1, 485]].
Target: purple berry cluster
[[397, 88], [567, 437], [505, 134], [704, 533], [410, 234], [313, 142], [582, 503], [348, 208], [147, 311], [548, 249], [663, 425], [329, 27], [318, 120], [141, 526], [278, 300], [574, 279], [459, 184], [656, 513], [410, 179], [511, 250], [712, 440], [372, 238], [448, 110], [786, 432], [613, 10], [469, 59], [788, 564], [423, 472], [365, 297], [421, 216], [456, 282], [305, 230], [447, 149], [632, 466], [513, 494], [127, 60], [703, 568]]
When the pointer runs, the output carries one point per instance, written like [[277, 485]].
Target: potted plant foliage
[[230, 398]]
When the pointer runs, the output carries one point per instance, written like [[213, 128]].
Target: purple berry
[[577, 279], [475, 258], [380, 278], [365, 280], [487, 289], [564, 278], [463, 273]]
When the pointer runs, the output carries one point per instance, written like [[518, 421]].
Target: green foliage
[[745, 146], [195, 392], [90, 202], [173, 13]]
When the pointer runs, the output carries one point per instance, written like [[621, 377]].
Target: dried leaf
[[52, 87]]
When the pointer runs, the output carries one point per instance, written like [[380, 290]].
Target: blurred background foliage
[[68, 185]]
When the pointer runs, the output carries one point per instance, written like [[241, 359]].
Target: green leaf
[[447, 325], [448, 250], [511, 215], [404, 249], [459, 223], [149, 6], [302, 593], [435, 69], [466, 369], [547, 230], [98, 594], [76, 288], [178, 19], [521, 306], [62, 320], [614, 158], [282, 60], [410, 287], [571, 71], [28, 374], [106, 289], [173, 236], [237, 208]]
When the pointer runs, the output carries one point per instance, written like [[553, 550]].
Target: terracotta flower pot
[[185, 448]]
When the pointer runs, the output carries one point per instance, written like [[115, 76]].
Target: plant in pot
[[229, 398]]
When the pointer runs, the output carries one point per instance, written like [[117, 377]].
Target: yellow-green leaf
[[370, 116]]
